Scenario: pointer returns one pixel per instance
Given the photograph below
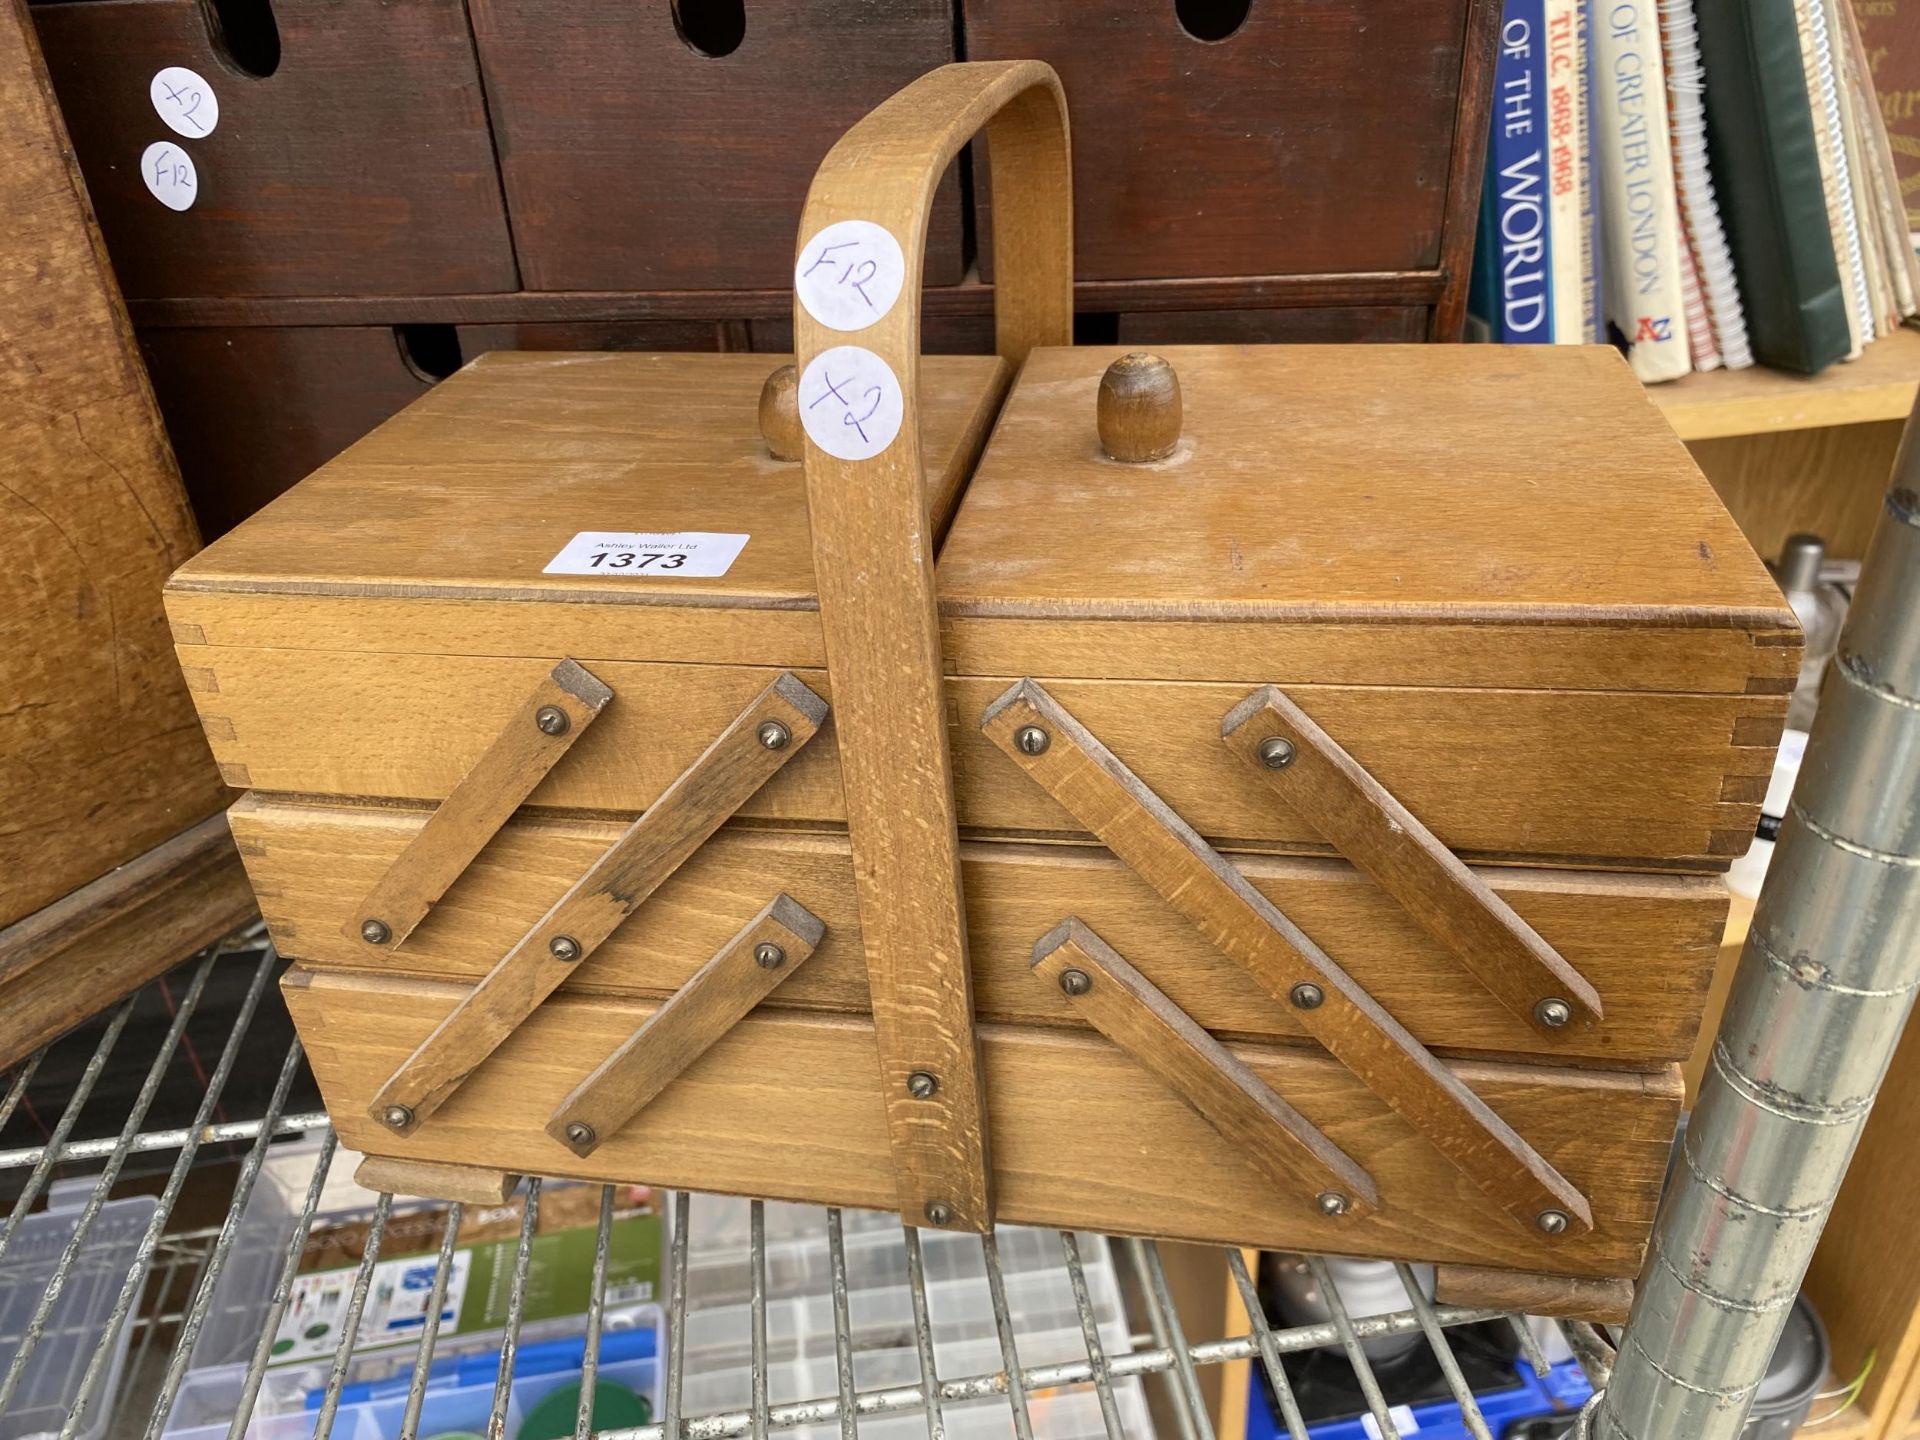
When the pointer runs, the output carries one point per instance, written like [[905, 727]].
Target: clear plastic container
[[239, 1304], [459, 1396], [78, 1319], [800, 1326], [717, 1359], [458, 1399]]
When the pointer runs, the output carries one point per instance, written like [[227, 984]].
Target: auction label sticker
[[850, 402], [640, 555], [849, 274], [185, 101], [169, 173]]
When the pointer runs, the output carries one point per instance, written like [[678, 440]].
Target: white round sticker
[[169, 173], [185, 101], [850, 402], [849, 274]]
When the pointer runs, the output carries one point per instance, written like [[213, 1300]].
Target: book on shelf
[[1702, 183], [1887, 36], [1836, 186], [1640, 223], [1724, 331], [1527, 286]]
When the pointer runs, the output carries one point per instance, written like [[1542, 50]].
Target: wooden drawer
[[1647, 944], [1314, 139], [657, 146], [788, 1105], [1560, 776], [1525, 701], [353, 158]]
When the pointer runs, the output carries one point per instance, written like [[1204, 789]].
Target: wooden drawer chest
[[354, 157], [666, 146], [1044, 798], [1341, 140]]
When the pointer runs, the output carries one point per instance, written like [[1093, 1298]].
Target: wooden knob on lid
[[1139, 408], [780, 414]]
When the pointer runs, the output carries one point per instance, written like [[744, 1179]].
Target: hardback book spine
[[1888, 35], [1641, 216], [1519, 174], [1706, 241], [1896, 237], [1860, 174], [1566, 158]]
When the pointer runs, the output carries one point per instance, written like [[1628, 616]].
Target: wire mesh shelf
[[124, 1385]]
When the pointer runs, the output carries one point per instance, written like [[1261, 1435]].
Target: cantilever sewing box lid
[[1491, 573], [1405, 515], [595, 505]]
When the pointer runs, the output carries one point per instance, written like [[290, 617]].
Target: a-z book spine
[[1641, 220], [1520, 181]]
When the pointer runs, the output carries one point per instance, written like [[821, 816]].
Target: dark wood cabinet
[[361, 165], [668, 145]]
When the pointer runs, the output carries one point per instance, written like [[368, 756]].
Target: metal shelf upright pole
[[1821, 997]]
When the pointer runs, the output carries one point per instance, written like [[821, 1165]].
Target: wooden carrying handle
[[873, 550], [885, 168]]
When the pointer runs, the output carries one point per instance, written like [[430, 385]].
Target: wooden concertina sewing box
[[1268, 796]]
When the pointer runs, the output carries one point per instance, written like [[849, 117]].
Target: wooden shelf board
[[1879, 385], [1229, 292]]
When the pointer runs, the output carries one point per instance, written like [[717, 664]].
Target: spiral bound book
[[1823, 96], [1706, 241]]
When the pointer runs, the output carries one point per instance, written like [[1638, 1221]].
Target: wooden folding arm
[[1360, 818], [714, 999], [1127, 1008], [873, 552], [541, 731], [746, 755], [1059, 754]]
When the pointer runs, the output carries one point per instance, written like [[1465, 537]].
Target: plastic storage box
[[78, 1318], [1562, 1392], [459, 1394], [800, 1328], [458, 1399]]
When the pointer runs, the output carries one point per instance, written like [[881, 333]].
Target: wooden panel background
[[100, 756], [1865, 1277], [789, 1107], [1827, 481], [1646, 942]]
